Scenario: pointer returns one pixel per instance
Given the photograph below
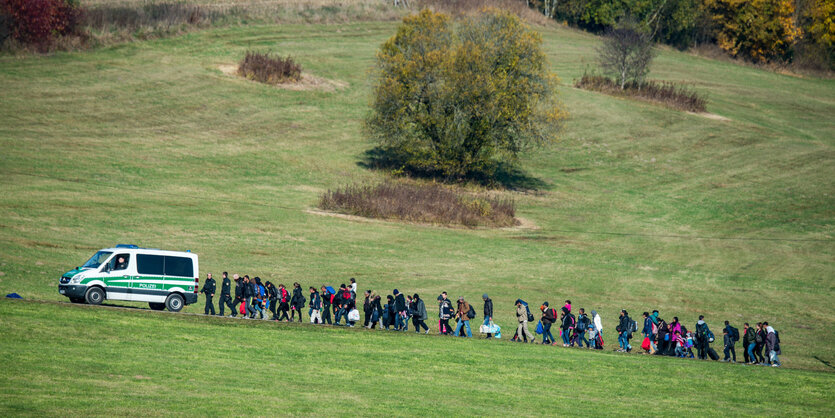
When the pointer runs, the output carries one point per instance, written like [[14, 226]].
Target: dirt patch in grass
[[306, 82]]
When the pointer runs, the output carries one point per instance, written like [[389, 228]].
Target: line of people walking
[[254, 299]]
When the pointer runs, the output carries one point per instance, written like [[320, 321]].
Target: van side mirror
[[107, 268]]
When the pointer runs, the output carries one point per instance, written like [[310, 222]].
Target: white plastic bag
[[354, 315]]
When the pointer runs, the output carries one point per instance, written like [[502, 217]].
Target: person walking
[[326, 305], [583, 323], [367, 308], [759, 340], [297, 302], [209, 290], [624, 329], [420, 316], [566, 326], [445, 313], [249, 293], [315, 306], [729, 342], [646, 331], [272, 299], [597, 337], [488, 312], [522, 319], [703, 336], [376, 311], [772, 345], [748, 343], [283, 303], [239, 295], [388, 312], [549, 317], [225, 294], [463, 319], [400, 310]]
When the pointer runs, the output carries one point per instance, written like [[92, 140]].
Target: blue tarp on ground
[[14, 296]]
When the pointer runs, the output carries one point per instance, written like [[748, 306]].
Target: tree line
[[782, 31]]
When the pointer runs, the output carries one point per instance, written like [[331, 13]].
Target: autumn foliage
[[454, 100], [39, 22]]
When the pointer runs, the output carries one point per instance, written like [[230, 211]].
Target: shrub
[[458, 102], [40, 22], [428, 202], [670, 94], [269, 69]]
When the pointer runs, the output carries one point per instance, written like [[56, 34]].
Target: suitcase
[[712, 354]]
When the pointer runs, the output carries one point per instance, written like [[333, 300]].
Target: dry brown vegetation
[[420, 202], [266, 68], [667, 93], [464, 7]]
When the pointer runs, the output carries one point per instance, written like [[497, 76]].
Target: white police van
[[164, 279]]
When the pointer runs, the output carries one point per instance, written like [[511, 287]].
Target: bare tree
[[626, 53]]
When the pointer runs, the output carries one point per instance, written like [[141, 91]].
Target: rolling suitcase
[[712, 354]]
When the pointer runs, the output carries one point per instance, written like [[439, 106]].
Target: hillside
[[729, 215]]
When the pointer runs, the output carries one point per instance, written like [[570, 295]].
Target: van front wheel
[[156, 306], [174, 303], [94, 296]]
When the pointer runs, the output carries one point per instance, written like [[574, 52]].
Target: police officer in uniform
[[209, 291], [225, 294]]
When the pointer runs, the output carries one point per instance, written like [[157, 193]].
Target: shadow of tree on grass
[[503, 175]]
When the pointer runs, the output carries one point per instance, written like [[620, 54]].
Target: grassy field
[[105, 364], [729, 215]]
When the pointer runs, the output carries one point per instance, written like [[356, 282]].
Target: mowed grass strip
[[81, 360]]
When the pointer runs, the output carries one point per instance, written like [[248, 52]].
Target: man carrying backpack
[[462, 315], [730, 337], [624, 330], [522, 318], [703, 336], [748, 344], [580, 330]]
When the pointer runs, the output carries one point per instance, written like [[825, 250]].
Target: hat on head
[[395, 291], [484, 296]]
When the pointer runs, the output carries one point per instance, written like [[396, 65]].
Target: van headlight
[[75, 280]]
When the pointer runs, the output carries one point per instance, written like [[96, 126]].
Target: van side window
[[178, 266], [150, 264], [119, 262]]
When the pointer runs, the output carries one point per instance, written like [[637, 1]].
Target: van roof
[[153, 251]]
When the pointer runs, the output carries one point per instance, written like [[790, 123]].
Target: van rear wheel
[[156, 306], [94, 296], [174, 302]]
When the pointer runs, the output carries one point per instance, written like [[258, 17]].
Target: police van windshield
[[96, 260]]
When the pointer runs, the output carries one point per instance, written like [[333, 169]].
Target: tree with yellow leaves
[[760, 30], [455, 99]]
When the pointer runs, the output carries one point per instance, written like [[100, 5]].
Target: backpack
[[633, 326], [582, 324], [471, 312], [734, 333], [530, 315], [346, 295]]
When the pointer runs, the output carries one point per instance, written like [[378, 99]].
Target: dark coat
[[208, 287], [298, 298], [399, 303], [420, 310], [549, 316], [315, 300], [239, 289], [488, 308], [226, 287]]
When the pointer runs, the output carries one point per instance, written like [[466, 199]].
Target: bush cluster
[[270, 69], [39, 22], [670, 94], [420, 202]]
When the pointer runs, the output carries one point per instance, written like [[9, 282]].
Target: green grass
[[150, 143], [104, 362]]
